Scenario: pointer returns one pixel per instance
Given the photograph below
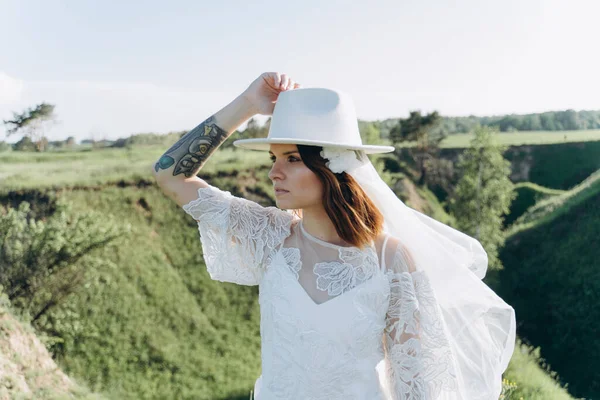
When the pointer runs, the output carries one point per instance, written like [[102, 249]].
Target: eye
[[290, 158]]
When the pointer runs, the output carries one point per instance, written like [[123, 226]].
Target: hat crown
[[314, 117], [318, 114]]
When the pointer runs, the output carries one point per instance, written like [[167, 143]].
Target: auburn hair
[[356, 219]]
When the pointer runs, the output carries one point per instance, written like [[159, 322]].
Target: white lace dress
[[336, 322]]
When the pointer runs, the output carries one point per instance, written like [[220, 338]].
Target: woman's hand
[[265, 89]]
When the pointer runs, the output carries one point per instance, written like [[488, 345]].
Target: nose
[[275, 172]]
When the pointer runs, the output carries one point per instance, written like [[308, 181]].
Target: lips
[[280, 191]]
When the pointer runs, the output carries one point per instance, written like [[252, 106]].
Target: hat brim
[[264, 144]]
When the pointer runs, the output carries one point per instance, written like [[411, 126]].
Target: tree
[[25, 144], [253, 130], [32, 123], [484, 192], [42, 261], [424, 130], [370, 134]]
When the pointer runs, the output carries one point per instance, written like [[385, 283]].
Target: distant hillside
[[558, 166], [551, 277]]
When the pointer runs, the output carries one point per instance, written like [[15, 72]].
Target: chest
[[346, 298]]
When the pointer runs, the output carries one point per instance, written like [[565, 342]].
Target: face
[[304, 189]]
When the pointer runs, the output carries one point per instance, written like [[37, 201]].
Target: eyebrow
[[286, 153]]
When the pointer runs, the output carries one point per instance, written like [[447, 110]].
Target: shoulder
[[398, 257]]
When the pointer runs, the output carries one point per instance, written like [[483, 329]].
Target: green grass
[[152, 325], [556, 204], [533, 382], [67, 169], [88, 167], [461, 140], [551, 278], [528, 194]]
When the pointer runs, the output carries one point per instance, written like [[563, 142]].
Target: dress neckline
[[322, 242]]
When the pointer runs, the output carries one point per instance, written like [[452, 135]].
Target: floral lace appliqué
[[420, 360], [338, 277], [237, 235], [292, 259]]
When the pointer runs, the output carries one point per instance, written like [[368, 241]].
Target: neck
[[317, 223]]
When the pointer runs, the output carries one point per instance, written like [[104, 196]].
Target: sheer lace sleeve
[[418, 360], [237, 234]]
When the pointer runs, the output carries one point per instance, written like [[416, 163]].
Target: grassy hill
[[528, 195], [551, 277], [151, 324]]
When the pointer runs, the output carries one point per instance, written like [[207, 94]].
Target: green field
[[109, 165], [521, 138], [85, 166]]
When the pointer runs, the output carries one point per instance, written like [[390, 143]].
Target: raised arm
[[185, 158], [175, 171]]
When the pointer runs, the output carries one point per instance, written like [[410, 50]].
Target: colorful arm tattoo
[[190, 153]]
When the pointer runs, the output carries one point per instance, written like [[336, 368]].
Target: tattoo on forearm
[[193, 149]]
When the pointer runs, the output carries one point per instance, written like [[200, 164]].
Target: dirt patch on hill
[[26, 367]]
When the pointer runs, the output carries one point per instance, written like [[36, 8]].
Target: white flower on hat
[[342, 160]]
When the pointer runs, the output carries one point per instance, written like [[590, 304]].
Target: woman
[[361, 297]]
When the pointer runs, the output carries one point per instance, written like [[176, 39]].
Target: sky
[[116, 68]]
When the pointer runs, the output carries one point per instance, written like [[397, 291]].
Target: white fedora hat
[[314, 117]]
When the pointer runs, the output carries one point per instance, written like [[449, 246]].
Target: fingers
[[285, 80], [292, 85], [277, 80], [288, 83]]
